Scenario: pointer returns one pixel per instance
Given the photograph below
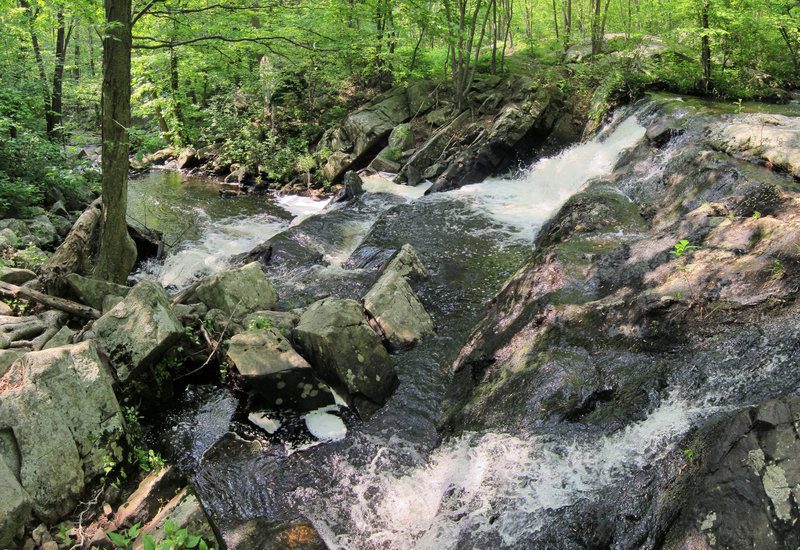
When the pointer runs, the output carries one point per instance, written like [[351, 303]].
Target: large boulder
[[345, 351], [238, 290], [397, 311], [189, 159], [61, 423], [15, 506], [362, 131], [406, 263], [430, 151], [43, 232], [93, 292], [772, 138], [270, 365], [137, 331], [16, 275], [516, 128]]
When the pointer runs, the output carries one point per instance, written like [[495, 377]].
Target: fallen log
[[74, 254], [54, 302]]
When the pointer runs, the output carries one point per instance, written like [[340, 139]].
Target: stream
[[392, 482]]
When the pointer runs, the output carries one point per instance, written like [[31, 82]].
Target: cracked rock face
[[345, 352], [747, 491], [59, 419]]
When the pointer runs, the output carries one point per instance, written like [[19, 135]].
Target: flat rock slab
[[238, 290], [398, 312], [60, 409], [270, 365], [93, 292], [344, 350], [406, 263], [774, 138], [137, 331]]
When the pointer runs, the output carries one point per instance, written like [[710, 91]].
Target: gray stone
[[402, 137], [430, 151], [344, 350], [372, 123], [282, 320], [397, 311], [43, 232], [189, 159], [110, 302], [63, 226], [336, 163], [18, 227], [238, 290], [270, 365], [60, 406], [15, 506], [407, 264], [92, 292], [264, 352], [59, 209], [138, 330], [382, 164], [7, 358], [8, 238], [420, 96], [16, 276], [6, 309], [160, 157], [61, 338]]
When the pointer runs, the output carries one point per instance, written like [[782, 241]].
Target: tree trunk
[[705, 53], [62, 41], [117, 250], [74, 254]]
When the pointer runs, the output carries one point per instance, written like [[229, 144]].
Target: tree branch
[[159, 43]]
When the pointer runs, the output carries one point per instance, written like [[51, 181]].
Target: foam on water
[[379, 184], [221, 239], [301, 207], [526, 203], [498, 482]]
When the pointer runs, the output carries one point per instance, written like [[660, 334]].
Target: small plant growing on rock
[[681, 247], [777, 269], [689, 454], [260, 323], [756, 214]]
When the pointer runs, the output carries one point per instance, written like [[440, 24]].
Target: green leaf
[[149, 543], [202, 545], [119, 540], [133, 532], [170, 528], [192, 541]]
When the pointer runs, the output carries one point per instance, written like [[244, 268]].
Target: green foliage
[[175, 539], [689, 454], [29, 257], [259, 323], [681, 247]]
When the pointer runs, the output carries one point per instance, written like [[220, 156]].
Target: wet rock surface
[[346, 352], [238, 290], [664, 286]]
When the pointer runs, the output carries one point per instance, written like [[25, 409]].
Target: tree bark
[[74, 253], [117, 250], [60, 304], [705, 53]]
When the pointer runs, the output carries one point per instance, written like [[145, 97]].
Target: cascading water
[[391, 483]]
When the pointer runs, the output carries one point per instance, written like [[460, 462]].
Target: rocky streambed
[[510, 364]]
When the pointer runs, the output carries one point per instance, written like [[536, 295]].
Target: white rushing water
[[524, 204], [493, 482]]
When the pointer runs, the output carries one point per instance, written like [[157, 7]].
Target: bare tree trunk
[[73, 256], [705, 52], [117, 249]]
